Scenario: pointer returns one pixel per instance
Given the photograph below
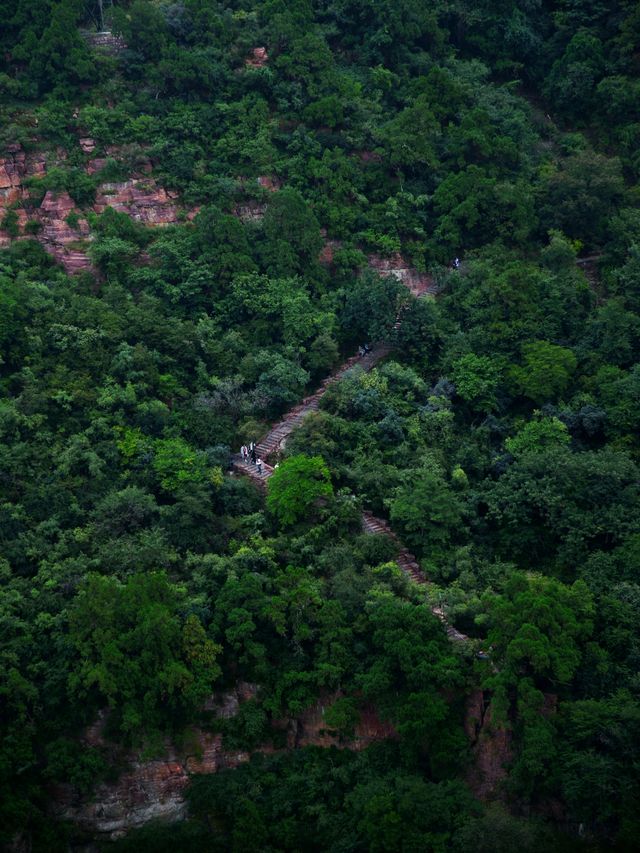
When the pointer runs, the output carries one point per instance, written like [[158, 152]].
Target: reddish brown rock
[[96, 164], [147, 791], [250, 211], [310, 729], [104, 41], [12, 171], [154, 789], [15, 166], [270, 183], [142, 199], [136, 162], [491, 748], [369, 156], [328, 251], [395, 265], [258, 58], [65, 243]]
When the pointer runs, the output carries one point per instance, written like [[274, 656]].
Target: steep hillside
[[396, 245]]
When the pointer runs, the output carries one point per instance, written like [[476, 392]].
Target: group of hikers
[[249, 453]]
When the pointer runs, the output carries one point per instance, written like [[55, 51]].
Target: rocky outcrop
[[258, 58], [147, 790], [328, 251], [395, 265], [15, 166], [270, 183], [105, 41], [59, 239], [66, 243], [253, 207], [369, 156], [310, 728], [155, 789], [491, 748], [250, 211], [141, 198]]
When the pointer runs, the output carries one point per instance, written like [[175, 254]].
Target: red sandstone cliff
[[395, 265], [154, 789], [140, 197]]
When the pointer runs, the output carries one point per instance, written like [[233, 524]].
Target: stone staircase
[[251, 470], [278, 434], [405, 559], [276, 437], [410, 566]]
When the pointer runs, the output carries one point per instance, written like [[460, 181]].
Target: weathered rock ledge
[[155, 789]]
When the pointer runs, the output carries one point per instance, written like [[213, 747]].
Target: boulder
[[258, 58], [142, 199], [395, 265]]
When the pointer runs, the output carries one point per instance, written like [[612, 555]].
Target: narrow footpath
[[274, 440]]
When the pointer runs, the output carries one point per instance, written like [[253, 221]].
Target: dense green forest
[[302, 147]]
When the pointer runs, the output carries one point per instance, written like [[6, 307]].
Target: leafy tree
[[573, 78], [296, 486], [292, 232], [476, 379], [371, 304], [545, 371], [177, 465], [149, 685], [553, 506], [427, 511], [538, 624], [582, 193], [536, 435]]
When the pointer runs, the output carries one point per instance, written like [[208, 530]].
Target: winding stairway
[[276, 437]]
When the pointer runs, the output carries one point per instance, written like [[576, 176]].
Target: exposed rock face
[[14, 168], [56, 235], [270, 183], [58, 238], [133, 155], [328, 251], [250, 211], [96, 164], [395, 265], [106, 41], [151, 790], [258, 58], [369, 156], [310, 729], [492, 749], [148, 790], [141, 198]]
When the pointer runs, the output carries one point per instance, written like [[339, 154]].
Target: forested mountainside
[[207, 208]]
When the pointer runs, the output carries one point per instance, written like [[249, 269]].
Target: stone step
[[370, 523]]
